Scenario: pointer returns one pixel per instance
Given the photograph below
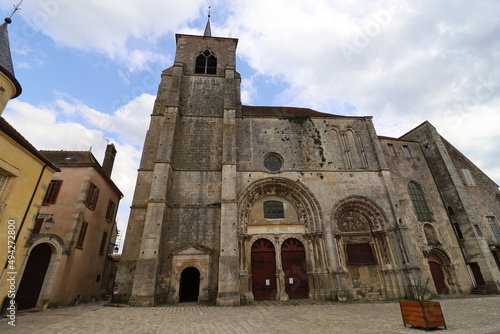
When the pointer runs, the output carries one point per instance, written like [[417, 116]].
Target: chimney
[[109, 160]]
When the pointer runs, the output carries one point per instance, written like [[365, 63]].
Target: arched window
[[419, 203], [206, 63]]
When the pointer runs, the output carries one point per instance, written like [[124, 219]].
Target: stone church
[[237, 203]]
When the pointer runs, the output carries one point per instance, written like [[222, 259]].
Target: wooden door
[[476, 271], [438, 278], [293, 258], [263, 270], [33, 277]]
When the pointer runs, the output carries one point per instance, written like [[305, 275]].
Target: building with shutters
[[68, 258], [237, 203]]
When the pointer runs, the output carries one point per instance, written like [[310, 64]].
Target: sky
[[90, 69]]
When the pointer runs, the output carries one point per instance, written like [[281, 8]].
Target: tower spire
[[208, 31], [6, 66]]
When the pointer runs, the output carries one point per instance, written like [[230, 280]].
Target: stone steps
[[479, 290]]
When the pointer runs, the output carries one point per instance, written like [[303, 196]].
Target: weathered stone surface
[[203, 185]]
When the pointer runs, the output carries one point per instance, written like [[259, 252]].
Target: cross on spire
[[208, 31], [16, 9]]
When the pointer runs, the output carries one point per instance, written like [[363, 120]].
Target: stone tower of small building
[[184, 205]]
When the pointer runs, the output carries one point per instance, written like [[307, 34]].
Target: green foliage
[[299, 120]]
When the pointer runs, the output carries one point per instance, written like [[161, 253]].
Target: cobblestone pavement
[[464, 315]]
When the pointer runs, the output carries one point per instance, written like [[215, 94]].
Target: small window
[[419, 203], [81, 236], [451, 212], [206, 63], [3, 181], [458, 231], [468, 177], [103, 243], [392, 150], [359, 254], [494, 228], [407, 151], [91, 196], [52, 192], [98, 278], [273, 162], [478, 230], [110, 212], [274, 210]]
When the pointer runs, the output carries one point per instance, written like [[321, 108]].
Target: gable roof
[[79, 159]]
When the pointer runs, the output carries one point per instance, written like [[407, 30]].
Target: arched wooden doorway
[[438, 278], [263, 270], [189, 285], [33, 277], [437, 259], [293, 258]]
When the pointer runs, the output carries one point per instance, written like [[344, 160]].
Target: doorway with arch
[[189, 285]]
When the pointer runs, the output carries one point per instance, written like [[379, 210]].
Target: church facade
[[237, 203]]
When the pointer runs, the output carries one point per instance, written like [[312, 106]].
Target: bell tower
[[9, 86], [184, 210]]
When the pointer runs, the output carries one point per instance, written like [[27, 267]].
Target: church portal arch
[[307, 206], [363, 244], [301, 219]]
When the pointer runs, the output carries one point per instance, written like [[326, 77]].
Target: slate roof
[[71, 158], [78, 159], [9, 130], [6, 66], [258, 111]]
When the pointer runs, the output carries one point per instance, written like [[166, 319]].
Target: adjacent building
[[236, 203], [57, 215], [69, 251]]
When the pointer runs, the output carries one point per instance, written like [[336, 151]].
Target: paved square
[[464, 315]]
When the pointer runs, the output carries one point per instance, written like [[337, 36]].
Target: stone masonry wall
[[414, 168]]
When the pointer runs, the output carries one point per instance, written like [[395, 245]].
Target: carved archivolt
[[358, 214], [307, 206]]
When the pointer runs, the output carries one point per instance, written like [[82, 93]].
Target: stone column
[[229, 283], [145, 288]]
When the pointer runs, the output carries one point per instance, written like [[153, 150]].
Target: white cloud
[[248, 90], [410, 62], [119, 29], [68, 124]]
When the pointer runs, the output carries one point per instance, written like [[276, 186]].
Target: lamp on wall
[[48, 223]]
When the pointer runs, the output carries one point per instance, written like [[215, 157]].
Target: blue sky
[[90, 69]]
